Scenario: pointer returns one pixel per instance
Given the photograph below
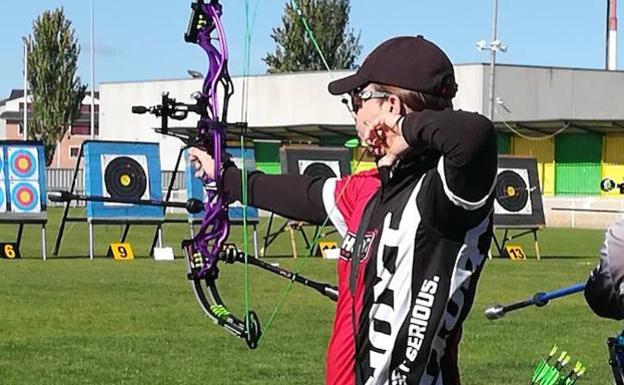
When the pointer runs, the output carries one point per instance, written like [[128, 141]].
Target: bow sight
[[170, 108]]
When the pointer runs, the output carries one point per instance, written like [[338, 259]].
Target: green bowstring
[[319, 231], [244, 197], [317, 234], [304, 20]]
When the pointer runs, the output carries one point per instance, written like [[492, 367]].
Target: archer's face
[[367, 110]]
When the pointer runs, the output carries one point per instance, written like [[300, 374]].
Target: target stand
[[122, 170], [518, 203], [23, 187]]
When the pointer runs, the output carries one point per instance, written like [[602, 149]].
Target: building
[[571, 120], [11, 127]]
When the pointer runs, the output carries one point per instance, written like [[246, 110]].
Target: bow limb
[[204, 251], [313, 245]]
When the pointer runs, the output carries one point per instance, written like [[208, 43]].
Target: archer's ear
[[394, 104]]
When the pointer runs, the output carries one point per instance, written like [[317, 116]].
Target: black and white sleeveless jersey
[[427, 241], [433, 228]]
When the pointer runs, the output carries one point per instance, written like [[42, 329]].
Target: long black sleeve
[[467, 142], [296, 197]]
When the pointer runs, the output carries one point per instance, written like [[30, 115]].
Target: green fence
[[577, 164]]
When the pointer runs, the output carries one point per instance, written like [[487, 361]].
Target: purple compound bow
[[208, 247]]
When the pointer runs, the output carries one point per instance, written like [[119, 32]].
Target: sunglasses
[[358, 97]]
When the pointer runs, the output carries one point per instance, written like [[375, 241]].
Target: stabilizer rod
[[539, 299], [231, 255], [192, 205]]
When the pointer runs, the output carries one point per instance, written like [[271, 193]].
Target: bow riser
[[206, 248], [202, 252]]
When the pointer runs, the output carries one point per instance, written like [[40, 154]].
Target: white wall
[[530, 93], [273, 101], [541, 93]]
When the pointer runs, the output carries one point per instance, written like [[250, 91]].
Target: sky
[[141, 40]]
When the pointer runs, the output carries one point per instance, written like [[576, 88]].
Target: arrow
[[539, 299]]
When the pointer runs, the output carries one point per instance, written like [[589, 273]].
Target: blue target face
[[1, 163], [2, 200], [24, 197], [23, 163]]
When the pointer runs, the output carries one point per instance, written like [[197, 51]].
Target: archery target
[[2, 183], [319, 168], [518, 198], [327, 162], [22, 180], [2, 198], [23, 163], [122, 170], [25, 197], [512, 192], [125, 177]]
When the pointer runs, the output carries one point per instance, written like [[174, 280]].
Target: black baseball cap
[[412, 63]]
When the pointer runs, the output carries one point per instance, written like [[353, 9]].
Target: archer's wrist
[[231, 182], [410, 128]]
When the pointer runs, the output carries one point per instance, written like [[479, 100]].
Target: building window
[[73, 151], [80, 130]]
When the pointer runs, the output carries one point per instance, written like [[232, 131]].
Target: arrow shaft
[[539, 299]]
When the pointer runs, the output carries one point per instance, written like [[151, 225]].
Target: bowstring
[[244, 196], [319, 230]]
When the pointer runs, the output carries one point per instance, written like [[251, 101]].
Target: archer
[[416, 229]]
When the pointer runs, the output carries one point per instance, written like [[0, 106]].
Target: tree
[[329, 21], [56, 90]]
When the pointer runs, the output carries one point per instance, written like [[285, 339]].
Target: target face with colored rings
[[23, 163], [24, 197], [125, 177], [2, 200], [512, 191]]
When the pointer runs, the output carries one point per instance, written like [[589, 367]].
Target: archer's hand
[[202, 162], [387, 133]]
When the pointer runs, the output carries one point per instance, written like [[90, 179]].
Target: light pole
[[494, 46], [25, 118], [92, 73]]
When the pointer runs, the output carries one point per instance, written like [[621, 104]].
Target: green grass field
[[75, 321]]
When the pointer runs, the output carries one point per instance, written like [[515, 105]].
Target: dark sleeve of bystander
[[604, 291]]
